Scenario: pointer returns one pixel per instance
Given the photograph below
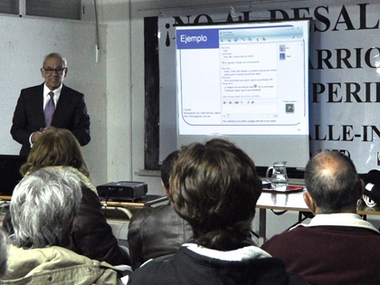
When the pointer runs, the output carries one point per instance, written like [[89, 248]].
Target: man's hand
[[35, 136]]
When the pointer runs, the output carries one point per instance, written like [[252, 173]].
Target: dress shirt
[[57, 93]]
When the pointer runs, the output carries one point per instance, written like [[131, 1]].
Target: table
[[292, 201], [124, 206], [144, 201], [147, 200], [5, 199]]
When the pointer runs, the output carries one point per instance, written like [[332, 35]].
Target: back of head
[[332, 181], [43, 207], [215, 187], [167, 167], [55, 147]]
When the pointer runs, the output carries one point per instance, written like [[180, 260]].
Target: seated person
[[371, 187], [3, 253], [215, 187], [337, 246], [43, 209], [158, 231], [92, 235]]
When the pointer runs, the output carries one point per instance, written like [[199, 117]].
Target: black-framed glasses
[[59, 71]]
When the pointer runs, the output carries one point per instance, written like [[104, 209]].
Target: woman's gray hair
[[43, 207]]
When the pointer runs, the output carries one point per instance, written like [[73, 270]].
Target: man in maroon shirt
[[337, 246]]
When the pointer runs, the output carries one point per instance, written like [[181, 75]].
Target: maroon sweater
[[329, 254]]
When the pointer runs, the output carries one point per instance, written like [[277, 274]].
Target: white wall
[[125, 93], [114, 95], [25, 43], [118, 135]]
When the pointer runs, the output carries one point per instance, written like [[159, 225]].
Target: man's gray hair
[[43, 207], [56, 55]]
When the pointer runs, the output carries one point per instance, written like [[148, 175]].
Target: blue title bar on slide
[[197, 38]]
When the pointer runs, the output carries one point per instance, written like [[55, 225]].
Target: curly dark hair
[[215, 187]]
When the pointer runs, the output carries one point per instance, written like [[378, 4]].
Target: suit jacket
[[70, 113]]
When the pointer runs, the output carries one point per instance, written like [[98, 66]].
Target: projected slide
[[243, 79]]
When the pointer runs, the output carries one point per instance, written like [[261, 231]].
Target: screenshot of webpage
[[243, 79]]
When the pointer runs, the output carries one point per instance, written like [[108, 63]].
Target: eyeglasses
[[59, 71]]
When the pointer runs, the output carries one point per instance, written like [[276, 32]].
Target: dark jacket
[[156, 232], [92, 235], [372, 191], [70, 113], [201, 266]]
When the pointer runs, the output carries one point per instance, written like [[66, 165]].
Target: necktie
[[49, 109]]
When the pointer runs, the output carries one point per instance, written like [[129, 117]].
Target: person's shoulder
[[59, 262], [143, 213], [153, 271], [47, 254], [89, 193], [32, 89], [295, 279], [139, 218], [291, 236], [163, 215], [69, 90]]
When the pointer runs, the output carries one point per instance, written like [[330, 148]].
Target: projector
[[122, 190]]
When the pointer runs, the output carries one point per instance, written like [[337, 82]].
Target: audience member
[[159, 231], [371, 195], [43, 209], [67, 107], [3, 253], [92, 235], [337, 246], [215, 187]]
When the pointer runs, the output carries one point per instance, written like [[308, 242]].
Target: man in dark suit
[[69, 109]]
